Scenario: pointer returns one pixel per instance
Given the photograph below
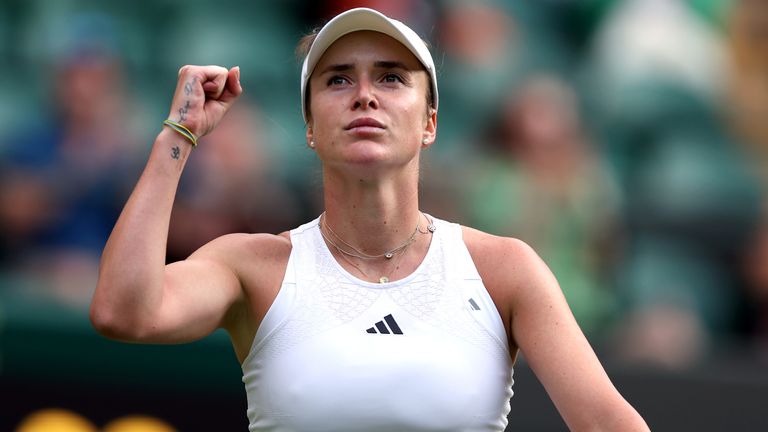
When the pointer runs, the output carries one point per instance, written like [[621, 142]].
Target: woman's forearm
[[128, 302], [130, 285]]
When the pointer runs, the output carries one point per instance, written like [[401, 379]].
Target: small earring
[[425, 141], [312, 144]]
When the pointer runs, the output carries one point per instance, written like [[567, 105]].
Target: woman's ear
[[310, 137], [430, 128]]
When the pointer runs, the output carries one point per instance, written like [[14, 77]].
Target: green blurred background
[[624, 139]]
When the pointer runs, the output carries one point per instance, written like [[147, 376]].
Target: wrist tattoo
[[175, 152]]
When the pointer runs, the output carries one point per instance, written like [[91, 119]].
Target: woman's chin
[[368, 153]]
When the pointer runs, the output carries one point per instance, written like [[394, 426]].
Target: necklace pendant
[[431, 228], [383, 279], [389, 255]]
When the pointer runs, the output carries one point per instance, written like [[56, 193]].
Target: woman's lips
[[365, 123]]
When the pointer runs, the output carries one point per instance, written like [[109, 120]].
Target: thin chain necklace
[[388, 255], [357, 253], [384, 278]]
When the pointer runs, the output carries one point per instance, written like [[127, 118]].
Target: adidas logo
[[386, 326]]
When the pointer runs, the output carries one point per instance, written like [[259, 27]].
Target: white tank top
[[336, 353]]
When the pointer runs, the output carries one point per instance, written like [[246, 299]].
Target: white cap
[[365, 19]]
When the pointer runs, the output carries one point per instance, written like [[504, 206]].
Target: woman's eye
[[336, 80], [392, 78]]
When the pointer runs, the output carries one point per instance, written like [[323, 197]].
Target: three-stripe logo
[[387, 326]]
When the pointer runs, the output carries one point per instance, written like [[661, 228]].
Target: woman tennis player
[[375, 316]]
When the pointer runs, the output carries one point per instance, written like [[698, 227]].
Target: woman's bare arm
[[541, 325], [137, 297]]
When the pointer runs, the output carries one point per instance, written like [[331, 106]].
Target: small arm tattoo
[[183, 112], [188, 89], [175, 152]]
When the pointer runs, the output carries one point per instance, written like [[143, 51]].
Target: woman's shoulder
[[243, 250], [494, 250], [508, 266], [259, 261]]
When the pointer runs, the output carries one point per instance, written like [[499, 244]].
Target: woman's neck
[[372, 215]]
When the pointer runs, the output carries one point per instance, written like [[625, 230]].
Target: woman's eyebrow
[[388, 64], [342, 67], [379, 64]]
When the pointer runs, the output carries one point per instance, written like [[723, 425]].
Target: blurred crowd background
[[625, 140]]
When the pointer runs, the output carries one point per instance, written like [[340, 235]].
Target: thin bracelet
[[183, 130]]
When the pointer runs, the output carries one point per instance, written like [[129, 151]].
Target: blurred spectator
[[690, 199], [544, 184], [482, 56], [488, 46], [690, 209], [748, 79], [232, 184], [63, 174], [643, 40]]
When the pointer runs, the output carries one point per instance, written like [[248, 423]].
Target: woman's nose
[[365, 97]]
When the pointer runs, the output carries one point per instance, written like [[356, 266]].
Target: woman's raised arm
[[137, 297]]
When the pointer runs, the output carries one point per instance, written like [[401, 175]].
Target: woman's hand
[[203, 95]]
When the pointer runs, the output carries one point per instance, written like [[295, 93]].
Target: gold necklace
[[357, 253], [361, 255], [384, 278]]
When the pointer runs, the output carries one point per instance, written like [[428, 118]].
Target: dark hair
[[302, 50]]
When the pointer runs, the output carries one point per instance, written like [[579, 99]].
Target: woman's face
[[368, 103]]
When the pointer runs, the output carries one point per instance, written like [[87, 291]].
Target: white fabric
[[321, 360]]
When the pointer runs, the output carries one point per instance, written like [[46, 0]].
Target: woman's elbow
[[106, 322], [111, 323]]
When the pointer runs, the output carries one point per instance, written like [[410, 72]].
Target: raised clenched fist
[[203, 95]]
